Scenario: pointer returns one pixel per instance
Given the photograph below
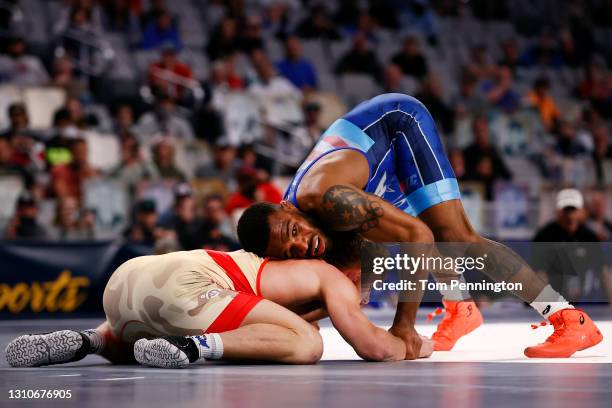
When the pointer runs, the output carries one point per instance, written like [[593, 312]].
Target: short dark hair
[[254, 228]]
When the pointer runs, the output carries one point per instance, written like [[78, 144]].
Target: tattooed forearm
[[345, 208]]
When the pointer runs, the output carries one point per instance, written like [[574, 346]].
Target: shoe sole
[[159, 353], [34, 350], [531, 354]]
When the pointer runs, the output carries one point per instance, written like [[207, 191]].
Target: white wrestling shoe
[[34, 350], [166, 352]]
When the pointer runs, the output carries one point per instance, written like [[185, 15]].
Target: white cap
[[570, 197]]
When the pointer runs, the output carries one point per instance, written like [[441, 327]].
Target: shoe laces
[[559, 330]]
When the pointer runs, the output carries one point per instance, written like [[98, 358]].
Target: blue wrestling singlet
[[398, 137]]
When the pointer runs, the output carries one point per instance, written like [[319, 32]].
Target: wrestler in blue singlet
[[398, 137]]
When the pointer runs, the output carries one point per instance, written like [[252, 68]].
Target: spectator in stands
[[67, 180], [273, 91], [26, 152], [312, 125], [184, 220], [410, 59], [318, 24], [161, 31], [144, 229], [224, 165], [419, 14], [566, 267], [295, 68], [500, 91], [82, 12], [469, 100], [568, 144], [24, 224], [251, 189], [541, 98], [70, 222], [480, 65], [123, 121], [223, 39], [597, 221], [251, 34], [571, 55], [165, 118], [18, 118], [511, 56], [21, 69], [602, 150], [432, 96], [163, 165], [169, 75], [483, 162], [218, 227], [360, 59], [63, 77], [457, 161], [393, 79], [9, 168], [545, 52], [132, 169], [597, 87]]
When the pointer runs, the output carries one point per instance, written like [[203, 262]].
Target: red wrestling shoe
[[462, 317], [574, 331]]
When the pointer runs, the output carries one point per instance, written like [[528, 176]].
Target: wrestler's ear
[[287, 206]]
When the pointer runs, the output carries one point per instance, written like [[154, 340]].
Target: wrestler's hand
[[417, 346]]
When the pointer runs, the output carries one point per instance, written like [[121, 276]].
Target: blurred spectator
[[63, 77], [156, 8], [27, 152], [483, 161], [24, 224], [597, 221], [70, 222], [432, 96], [566, 267], [132, 168], [545, 52], [223, 39], [602, 150], [224, 165], [169, 75], [295, 68], [597, 87], [569, 223], [21, 69], [568, 144], [67, 179], [360, 59], [457, 162], [82, 40], [163, 165], [57, 148], [9, 168], [540, 98], [480, 65], [251, 189], [79, 12], [123, 121], [144, 229], [572, 57], [511, 56], [469, 100], [184, 220], [160, 31], [123, 15], [19, 120], [410, 59], [166, 119], [251, 34], [419, 15], [393, 79], [318, 24], [500, 91], [276, 95], [218, 227]]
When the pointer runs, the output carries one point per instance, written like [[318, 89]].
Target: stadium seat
[[356, 88], [41, 103]]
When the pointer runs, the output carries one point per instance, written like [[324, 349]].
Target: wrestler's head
[[281, 231]]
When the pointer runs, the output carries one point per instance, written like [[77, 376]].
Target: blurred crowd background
[[159, 121]]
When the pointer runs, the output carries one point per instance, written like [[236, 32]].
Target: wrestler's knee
[[309, 347], [421, 234]]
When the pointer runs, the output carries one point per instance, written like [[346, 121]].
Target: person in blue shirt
[[298, 70], [162, 31]]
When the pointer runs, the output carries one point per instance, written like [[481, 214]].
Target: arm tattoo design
[[345, 208]]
